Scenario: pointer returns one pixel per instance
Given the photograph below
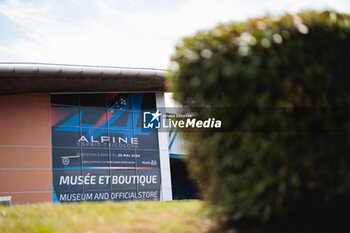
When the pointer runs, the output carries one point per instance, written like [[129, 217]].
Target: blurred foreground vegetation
[[174, 216], [280, 86]]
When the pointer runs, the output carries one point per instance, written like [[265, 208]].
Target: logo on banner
[[151, 120], [65, 161]]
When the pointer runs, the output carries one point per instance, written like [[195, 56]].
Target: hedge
[[281, 87]]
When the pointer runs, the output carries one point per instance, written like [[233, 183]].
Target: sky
[[123, 33]]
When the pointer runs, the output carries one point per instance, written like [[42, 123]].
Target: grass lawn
[[172, 216]]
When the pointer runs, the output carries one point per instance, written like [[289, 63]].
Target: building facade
[[76, 133]]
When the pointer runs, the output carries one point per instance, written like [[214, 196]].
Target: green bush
[[281, 87]]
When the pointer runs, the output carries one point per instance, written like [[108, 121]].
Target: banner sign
[[100, 150]]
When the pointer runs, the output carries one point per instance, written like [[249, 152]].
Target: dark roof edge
[[22, 77]]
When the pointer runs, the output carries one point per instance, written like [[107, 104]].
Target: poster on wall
[[100, 151]]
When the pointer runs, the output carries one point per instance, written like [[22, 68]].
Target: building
[[78, 133]]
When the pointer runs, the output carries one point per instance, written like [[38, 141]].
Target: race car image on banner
[[100, 150]]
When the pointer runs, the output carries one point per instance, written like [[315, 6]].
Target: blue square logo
[[151, 120]]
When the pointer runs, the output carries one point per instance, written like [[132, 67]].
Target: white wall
[[166, 191]]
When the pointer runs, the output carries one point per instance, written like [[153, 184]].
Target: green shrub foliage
[[281, 87]]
